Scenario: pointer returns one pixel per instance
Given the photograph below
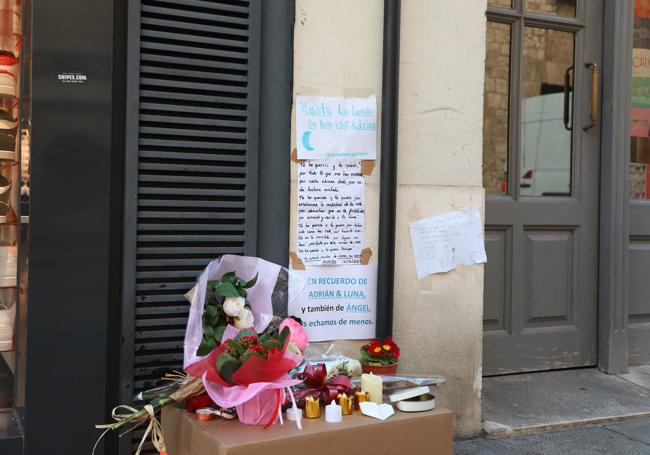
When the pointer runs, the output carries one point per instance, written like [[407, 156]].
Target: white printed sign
[[335, 303], [333, 127], [441, 243], [331, 212]]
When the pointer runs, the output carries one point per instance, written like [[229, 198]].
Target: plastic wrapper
[[339, 365], [158, 392], [404, 381]]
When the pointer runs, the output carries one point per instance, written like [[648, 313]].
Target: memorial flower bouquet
[[380, 357], [235, 349]]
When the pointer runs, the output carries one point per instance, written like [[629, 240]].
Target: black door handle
[[567, 99]]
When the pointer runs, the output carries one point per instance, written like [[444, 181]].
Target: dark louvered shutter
[[191, 166]]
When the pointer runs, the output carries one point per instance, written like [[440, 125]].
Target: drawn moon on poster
[[305, 141]]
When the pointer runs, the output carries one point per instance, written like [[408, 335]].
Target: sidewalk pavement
[[626, 438]]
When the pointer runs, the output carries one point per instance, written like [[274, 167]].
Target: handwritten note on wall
[[441, 243], [333, 127], [331, 212]]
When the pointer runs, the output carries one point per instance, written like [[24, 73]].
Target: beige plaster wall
[[439, 170], [338, 52]]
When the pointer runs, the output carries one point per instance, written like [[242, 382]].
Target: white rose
[[233, 306], [245, 319]]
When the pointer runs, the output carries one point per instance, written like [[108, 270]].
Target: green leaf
[[212, 285], [212, 299], [212, 312], [246, 333], [208, 331], [206, 346], [226, 367], [236, 346], [251, 283], [218, 332], [227, 290], [284, 335], [270, 344], [365, 357], [229, 277]]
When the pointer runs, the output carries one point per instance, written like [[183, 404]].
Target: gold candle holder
[[360, 397], [346, 403], [312, 408]]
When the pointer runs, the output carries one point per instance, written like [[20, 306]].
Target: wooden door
[[541, 174]]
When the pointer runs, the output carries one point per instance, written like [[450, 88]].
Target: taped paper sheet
[[441, 243], [334, 127], [335, 303], [331, 212]]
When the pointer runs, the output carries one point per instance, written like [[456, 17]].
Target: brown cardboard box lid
[[427, 433]]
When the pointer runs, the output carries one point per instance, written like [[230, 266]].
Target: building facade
[[176, 147]]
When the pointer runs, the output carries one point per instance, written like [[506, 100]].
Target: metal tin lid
[[409, 393]]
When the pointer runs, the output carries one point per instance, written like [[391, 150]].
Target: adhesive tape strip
[[424, 402]]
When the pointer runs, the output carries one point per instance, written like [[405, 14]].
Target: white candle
[[333, 413], [294, 414], [373, 385]]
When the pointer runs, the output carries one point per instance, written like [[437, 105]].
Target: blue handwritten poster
[[334, 127]]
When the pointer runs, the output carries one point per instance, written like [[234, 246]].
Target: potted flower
[[380, 357]]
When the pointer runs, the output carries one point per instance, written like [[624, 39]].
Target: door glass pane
[[640, 158], [555, 7], [495, 118], [545, 161], [502, 3]]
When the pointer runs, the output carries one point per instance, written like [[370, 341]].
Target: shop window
[[495, 119], [15, 71], [640, 130], [502, 3], [555, 7], [545, 154], [528, 100]]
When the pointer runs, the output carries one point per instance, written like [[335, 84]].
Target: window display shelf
[[12, 221]]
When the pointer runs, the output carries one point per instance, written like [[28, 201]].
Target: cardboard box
[[422, 433]]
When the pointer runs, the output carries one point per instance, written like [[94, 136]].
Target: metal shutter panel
[[197, 88]]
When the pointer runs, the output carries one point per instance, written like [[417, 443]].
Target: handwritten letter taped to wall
[[440, 243], [331, 212]]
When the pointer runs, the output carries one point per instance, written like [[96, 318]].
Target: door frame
[[614, 193]]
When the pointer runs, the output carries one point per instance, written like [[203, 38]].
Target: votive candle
[[374, 386], [312, 408], [346, 403]]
